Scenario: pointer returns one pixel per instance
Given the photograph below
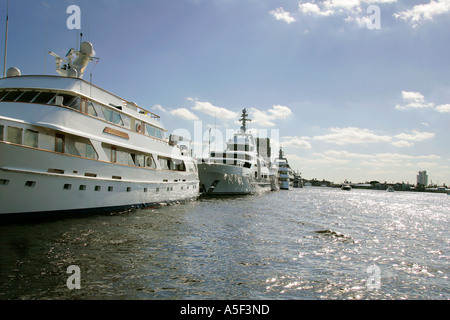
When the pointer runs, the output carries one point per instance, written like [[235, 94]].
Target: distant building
[[422, 178]]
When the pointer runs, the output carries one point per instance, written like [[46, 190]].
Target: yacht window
[[112, 116], [67, 101], [14, 135], [117, 119], [2, 94], [159, 133], [131, 159], [31, 138], [165, 163], [12, 96], [91, 108], [150, 162], [1, 133], [108, 114], [59, 143], [181, 166], [44, 97], [27, 96], [86, 150], [113, 154], [140, 160], [75, 103], [150, 130], [154, 132]]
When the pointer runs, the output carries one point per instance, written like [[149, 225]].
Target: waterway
[[310, 243]]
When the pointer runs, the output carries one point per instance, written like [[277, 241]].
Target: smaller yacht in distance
[[240, 169], [285, 172]]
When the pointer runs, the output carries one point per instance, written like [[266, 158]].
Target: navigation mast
[[244, 120]]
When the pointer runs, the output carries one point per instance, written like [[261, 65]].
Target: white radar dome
[[87, 48], [13, 72]]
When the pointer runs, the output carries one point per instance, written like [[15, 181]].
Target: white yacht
[[68, 146], [237, 170], [346, 187], [285, 172]]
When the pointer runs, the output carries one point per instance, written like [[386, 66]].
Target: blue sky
[[346, 99]]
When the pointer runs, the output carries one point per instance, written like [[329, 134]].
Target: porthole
[[30, 184]]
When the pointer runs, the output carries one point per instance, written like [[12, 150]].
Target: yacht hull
[[226, 179], [37, 181]]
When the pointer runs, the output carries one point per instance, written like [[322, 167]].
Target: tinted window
[[44, 97]]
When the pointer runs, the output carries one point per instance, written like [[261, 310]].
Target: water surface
[[310, 243]]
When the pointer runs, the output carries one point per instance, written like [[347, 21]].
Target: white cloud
[[355, 10], [296, 142], [266, 118], [313, 9], [342, 154], [184, 113], [342, 4], [415, 136], [158, 107], [280, 112], [336, 7], [367, 162], [402, 144], [380, 159], [413, 100], [209, 109], [352, 135], [360, 21], [281, 14], [423, 12], [444, 108], [416, 100]]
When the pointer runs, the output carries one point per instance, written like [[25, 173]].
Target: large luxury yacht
[[240, 169], [69, 146]]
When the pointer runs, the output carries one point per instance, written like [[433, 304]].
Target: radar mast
[[244, 120]]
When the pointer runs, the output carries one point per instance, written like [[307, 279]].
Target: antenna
[[75, 68], [244, 120], [215, 131], [6, 39], [209, 142]]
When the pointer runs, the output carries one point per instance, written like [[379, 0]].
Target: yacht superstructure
[[67, 145]]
